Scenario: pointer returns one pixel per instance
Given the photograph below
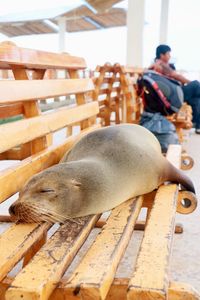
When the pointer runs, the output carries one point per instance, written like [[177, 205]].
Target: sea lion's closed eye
[[47, 190]]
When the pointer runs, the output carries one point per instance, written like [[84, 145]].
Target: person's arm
[[166, 70], [179, 77]]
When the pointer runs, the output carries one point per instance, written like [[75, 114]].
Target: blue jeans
[[191, 93]]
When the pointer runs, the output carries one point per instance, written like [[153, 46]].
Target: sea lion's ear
[[76, 183]]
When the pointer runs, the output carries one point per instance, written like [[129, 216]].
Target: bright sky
[[109, 45]]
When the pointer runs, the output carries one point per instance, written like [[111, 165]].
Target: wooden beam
[[29, 129], [18, 239], [11, 110], [182, 291], [94, 275], [13, 56], [26, 90], [118, 290], [39, 278], [150, 279], [13, 178]]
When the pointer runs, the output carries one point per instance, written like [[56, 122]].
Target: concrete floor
[[185, 263]]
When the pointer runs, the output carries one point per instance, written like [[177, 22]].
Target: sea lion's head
[[53, 195]]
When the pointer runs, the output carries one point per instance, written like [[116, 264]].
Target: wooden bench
[[117, 98], [27, 65], [181, 120], [94, 276], [46, 257], [108, 94]]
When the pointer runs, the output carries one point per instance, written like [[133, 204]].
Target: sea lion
[[103, 169]]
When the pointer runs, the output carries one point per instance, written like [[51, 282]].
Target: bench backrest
[[116, 95], [30, 138], [23, 95]]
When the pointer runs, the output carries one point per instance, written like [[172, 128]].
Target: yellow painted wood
[[150, 279], [26, 90], [94, 275], [27, 130], [182, 291], [14, 243], [139, 225], [118, 290], [34, 249], [31, 109], [11, 55], [80, 97], [39, 278], [13, 178]]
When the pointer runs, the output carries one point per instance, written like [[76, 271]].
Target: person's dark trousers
[[191, 93]]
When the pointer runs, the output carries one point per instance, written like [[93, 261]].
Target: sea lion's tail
[[176, 175]]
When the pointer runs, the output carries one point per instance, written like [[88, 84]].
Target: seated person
[[191, 89]]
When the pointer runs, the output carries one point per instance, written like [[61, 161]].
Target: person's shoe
[[197, 130]]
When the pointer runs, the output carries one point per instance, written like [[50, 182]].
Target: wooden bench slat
[[26, 90], [150, 279], [29, 129], [15, 242], [11, 110], [13, 178], [35, 59], [39, 278], [94, 275]]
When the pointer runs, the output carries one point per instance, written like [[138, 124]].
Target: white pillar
[[164, 21], [135, 28], [62, 34]]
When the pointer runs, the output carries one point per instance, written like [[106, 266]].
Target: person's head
[[163, 53]]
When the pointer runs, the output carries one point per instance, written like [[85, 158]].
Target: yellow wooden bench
[[94, 277], [181, 120], [118, 102], [46, 257], [108, 94], [27, 65]]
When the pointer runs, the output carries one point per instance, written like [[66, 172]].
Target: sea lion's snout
[[12, 210], [20, 211]]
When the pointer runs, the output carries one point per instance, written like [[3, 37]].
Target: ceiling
[[92, 15]]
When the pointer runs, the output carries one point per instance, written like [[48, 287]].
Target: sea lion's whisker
[[49, 212]]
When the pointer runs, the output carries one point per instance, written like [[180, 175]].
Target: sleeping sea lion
[[103, 169]]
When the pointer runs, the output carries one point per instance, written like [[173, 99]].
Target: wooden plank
[[94, 275], [150, 279], [39, 278], [15, 241], [133, 70], [31, 109], [118, 290], [29, 129], [26, 90], [35, 59], [182, 291], [12, 179], [139, 225], [11, 110]]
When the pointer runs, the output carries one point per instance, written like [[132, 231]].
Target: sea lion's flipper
[[176, 175]]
